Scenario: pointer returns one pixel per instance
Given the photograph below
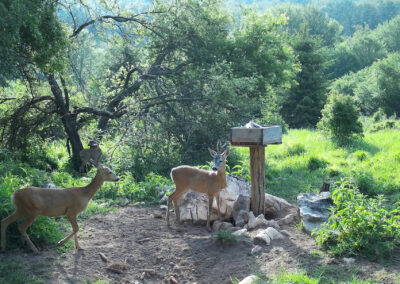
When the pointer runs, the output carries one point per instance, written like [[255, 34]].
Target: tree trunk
[[68, 120], [257, 172]]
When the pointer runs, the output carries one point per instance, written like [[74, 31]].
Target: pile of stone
[[236, 214]]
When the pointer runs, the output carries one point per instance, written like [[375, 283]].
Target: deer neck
[[94, 186], [221, 176]]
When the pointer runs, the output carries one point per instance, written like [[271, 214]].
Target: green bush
[[226, 237], [315, 163], [360, 155], [359, 225], [340, 118]]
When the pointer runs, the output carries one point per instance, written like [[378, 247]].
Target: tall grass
[[306, 158]]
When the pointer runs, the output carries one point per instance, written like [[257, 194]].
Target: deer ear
[[227, 152], [212, 152]]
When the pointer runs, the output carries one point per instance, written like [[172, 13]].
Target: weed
[[226, 237]]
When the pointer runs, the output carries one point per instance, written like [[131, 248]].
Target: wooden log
[[257, 172]]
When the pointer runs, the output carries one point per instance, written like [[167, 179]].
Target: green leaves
[[359, 225]]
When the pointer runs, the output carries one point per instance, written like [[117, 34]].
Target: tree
[[302, 104], [340, 118]]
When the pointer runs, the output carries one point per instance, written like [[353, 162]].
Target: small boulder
[[249, 280], [257, 222], [263, 237], [242, 218], [256, 250], [242, 203], [240, 233], [273, 234]]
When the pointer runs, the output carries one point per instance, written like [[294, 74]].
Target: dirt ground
[[145, 250]]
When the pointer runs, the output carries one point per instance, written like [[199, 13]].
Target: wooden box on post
[[257, 139], [263, 136]]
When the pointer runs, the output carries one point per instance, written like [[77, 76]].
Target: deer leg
[[177, 195], [210, 202], [22, 229], [219, 209], [4, 224], [75, 228], [169, 205]]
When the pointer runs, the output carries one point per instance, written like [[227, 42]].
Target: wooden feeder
[[256, 138]]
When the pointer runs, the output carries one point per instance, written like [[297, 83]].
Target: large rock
[[276, 207], [314, 209], [242, 203], [193, 206]]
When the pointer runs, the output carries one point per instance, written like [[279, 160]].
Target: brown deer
[[32, 202], [199, 180], [89, 156]]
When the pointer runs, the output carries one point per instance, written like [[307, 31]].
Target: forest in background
[[157, 82]]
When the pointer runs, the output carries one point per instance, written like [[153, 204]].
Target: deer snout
[[116, 179], [214, 168]]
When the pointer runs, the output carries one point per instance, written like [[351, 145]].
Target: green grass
[[306, 158]]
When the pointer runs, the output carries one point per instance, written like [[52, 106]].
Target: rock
[[240, 233], [49, 184], [349, 260], [314, 210], [263, 237], [288, 219], [193, 206], [226, 226], [242, 203], [163, 207], [249, 279], [256, 250], [234, 229], [285, 233], [216, 225], [242, 218], [273, 234], [276, 207], [274, 224], [257, 222]]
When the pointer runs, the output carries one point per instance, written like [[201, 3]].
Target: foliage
[[340, 118], [359, 225], [315, 163], [301, 106], [226, 237]]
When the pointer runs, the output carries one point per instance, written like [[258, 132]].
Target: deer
[[31, 202], [88, 155], [199, 180]]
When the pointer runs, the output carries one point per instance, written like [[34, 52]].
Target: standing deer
[[32, 202], [202, 181], [90, 155]]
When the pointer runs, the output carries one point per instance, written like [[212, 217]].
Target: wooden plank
[[272, 135], [242, 135], [257, 172]]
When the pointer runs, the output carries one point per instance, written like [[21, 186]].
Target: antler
[[220, 148]]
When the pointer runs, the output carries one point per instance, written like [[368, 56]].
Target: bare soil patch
[[140, 248]]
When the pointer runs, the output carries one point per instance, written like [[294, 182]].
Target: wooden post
[[257, 138], [257, 172]]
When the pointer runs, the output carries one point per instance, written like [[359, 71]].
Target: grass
[[226, 237], [306, 158]]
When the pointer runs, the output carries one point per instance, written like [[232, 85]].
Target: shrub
[[315, 163], [226, 237], [340, 118], [360, 225]]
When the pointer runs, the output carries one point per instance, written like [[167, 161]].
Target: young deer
[[202, 181], [91, 155], [32, 202]]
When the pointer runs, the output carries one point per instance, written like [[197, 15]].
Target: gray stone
[[242, 218], [249, 280], [257, 222], [314, 210], [263, 237], [240, 233], [49, 184], [273, 234], [242, 203], [256, 250], [276, 207]]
